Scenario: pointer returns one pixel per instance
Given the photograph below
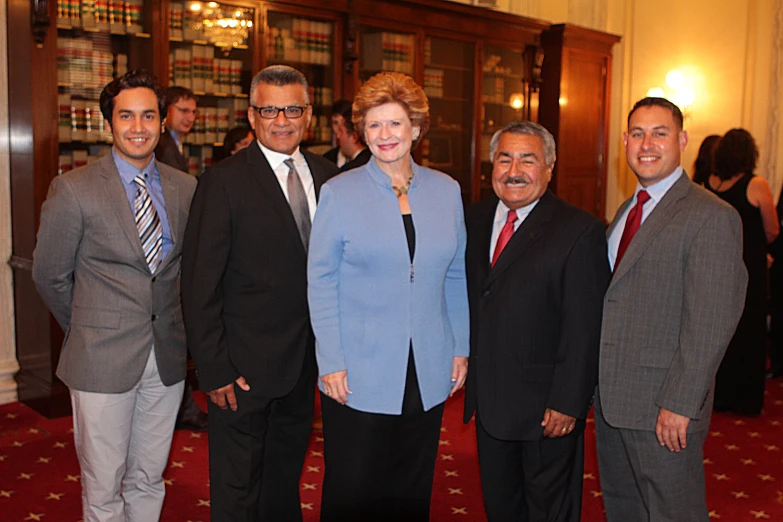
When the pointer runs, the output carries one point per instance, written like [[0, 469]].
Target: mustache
[[514, 180]]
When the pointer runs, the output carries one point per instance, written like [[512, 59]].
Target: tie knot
[[290, 163], [512, 217], [140, 181], [642, 197]]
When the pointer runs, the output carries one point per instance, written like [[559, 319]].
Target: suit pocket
[[95, 317]]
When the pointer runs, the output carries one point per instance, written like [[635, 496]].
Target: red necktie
[[632, 224], [505, 235]]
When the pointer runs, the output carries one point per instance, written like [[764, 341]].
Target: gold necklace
[[401, 191]]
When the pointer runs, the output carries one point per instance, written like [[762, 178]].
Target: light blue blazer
[[368, 302]]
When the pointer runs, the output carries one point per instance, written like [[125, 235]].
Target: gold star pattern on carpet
[[765, 478], [10, 416], [308, 506], [60, 445], [739, 494], [313, 469], [177, 464], [447, 457], [202, 503], [444, 443], [6, 494], [455, 491], [187, 449], [25, 476], [459, 511], [720, 476], [55, 496], [451, 473], [168, 481], [759, 514], [314, 453], [43, 460], [596, 493], [72, 478], [309, 487], [731, 447], [35, 516], [714, 514], [747, 462], [195, 435]]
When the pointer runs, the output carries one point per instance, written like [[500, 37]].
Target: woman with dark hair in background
[[702, 167], [237, 139], [740, 380]]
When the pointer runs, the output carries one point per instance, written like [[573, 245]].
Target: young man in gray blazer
[[107, 265], [673, 303]]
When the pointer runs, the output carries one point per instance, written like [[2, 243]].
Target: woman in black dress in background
[[740, 380]]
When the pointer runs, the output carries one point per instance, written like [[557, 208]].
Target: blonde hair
[[392, 87]]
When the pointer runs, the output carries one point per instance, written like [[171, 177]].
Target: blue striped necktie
[[148, 224]]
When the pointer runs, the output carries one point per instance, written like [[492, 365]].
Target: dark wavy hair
[[131, 80], [234, 136], [736, 153], [702, 167]]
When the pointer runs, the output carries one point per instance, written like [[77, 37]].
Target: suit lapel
[[270, 190], [652, 226], [319, 177], [171, 197], [483, 237], [118, 199], [526, 235]]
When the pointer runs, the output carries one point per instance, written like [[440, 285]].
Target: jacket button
[[154, 317]]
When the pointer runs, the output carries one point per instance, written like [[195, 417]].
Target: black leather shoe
[[198, 422]]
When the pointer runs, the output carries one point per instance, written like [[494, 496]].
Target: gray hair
[[280, 76], [531, 129]]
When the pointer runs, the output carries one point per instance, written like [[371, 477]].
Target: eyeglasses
[[270, 112]]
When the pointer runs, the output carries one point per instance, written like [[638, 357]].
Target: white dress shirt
[[501, 215], [656, 191], [276, 161]]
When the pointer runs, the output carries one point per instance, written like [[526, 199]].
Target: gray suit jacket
[[89, 268], [671, 310]]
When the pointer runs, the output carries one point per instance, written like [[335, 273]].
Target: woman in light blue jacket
[[389, 307]]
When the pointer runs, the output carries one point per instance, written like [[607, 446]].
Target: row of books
[[197, 68], [116, 16], [87, 65], [494, 90], [300, 40], [81, 120], [320, 96], [388, 52], [433, 82]]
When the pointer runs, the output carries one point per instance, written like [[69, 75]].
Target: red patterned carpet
[[39, 474]]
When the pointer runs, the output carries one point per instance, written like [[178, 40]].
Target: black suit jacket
[[363, 157], [535, 317], [168, 153], [331, 154], [244, 276]]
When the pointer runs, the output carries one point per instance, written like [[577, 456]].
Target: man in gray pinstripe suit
[[673, 303]]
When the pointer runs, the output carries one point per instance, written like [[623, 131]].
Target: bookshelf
[[210, 53], [95, 42], [505, 97], [449, 82], [307, 43]]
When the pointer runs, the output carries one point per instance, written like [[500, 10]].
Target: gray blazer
[[89, 268], [671, 310]]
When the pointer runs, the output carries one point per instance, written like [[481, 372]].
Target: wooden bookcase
[[480, 68]]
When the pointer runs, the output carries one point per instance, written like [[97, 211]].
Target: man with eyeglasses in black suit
[[244, 295]]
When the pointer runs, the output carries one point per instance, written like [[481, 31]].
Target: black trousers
[[256, 453], [532, 481], [379, 468]]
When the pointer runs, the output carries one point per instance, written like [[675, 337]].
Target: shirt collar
[[659, 189], [128, 172], [501, 212], [276, 159]]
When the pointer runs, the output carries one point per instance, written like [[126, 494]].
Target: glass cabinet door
[[210, 53], [96, 42], [504, 98], [307, 44], [449, 83], [383, 50]]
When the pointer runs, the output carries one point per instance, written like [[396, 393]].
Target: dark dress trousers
[[168, 153], [244, 295], [535, 327]]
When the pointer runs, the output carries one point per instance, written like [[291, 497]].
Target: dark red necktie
[[632, 224], [505, 235]]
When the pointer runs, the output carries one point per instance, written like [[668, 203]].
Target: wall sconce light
[[517, 101], [678, 91]]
